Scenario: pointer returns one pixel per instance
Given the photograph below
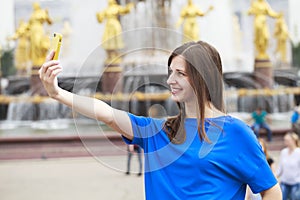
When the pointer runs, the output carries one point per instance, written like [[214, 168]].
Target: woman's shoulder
[[297, 150], [234, 125], [236, 122], [284, 151], [143, 120], [229, 123], [227, 120]]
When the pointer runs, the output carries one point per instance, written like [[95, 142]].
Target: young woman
[[289, 167], [201, 153]]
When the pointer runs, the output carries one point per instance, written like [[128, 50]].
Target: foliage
[[7, 62], [296, 55]]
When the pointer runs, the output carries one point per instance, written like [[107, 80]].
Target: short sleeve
[[143, 128], [262, 179], [250, 163]]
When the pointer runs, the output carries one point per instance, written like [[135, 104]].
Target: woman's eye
[[178, 73], [181, 74]]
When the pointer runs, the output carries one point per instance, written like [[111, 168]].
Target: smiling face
[[195, 79], [290, 140], [178, 81]]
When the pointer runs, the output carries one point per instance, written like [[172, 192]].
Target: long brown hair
[[204, 69], [264, 146]]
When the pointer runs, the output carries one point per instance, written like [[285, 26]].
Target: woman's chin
[[175, 98]]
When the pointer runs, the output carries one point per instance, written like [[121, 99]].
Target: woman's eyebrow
[[177, 68], [181, 70]]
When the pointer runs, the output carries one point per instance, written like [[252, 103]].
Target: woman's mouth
[[175, 90]]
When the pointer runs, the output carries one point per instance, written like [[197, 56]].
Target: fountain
[[136, 67], [142, 87]]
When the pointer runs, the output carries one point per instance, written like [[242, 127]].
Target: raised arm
[[270, 11], [90, 107]]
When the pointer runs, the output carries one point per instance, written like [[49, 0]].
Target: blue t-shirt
[[295, 117], [197, 169]]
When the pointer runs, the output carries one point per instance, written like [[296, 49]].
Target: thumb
[[50, 55]]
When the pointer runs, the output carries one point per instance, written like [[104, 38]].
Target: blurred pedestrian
[[289, 167], [264, 147], [134, 148], [295, 120], [261, 118]]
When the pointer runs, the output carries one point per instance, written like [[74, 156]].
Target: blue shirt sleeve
[[143, 128], [251, 164]]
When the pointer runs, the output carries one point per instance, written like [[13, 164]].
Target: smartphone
[[55, 44]]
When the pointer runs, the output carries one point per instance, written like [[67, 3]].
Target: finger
[[50, 55], [55, 73], [46, 65], [51, 69]]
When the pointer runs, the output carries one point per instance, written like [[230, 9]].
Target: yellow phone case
[[55, 44]]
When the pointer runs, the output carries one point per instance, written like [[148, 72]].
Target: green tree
[[7, 62]]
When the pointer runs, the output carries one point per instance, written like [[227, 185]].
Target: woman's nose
[[170, 79]]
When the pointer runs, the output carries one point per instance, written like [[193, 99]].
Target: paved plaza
[[69, 178], [93, 178]]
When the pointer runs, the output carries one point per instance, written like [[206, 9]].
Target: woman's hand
[[48, 75]]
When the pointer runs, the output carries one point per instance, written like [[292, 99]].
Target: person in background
[[289, 167], [133, 148], [261, 118], [295, 120], [270, 160]]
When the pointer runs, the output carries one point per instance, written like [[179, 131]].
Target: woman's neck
[[190, 110], [210, 111], [291, 149]]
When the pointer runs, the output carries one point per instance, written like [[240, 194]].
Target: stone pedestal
[[112, 79], [263, 72], [36, 86]]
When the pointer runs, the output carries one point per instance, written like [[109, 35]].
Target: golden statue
[[66, 32], [261, 9], [39, 42], [189, 16], [22, 59], [282, 35], [112, 39]]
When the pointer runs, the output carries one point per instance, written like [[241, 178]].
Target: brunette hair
[[264, 146], [204, 70]]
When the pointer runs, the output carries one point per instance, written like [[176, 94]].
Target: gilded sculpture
[[22, 59], [188, 16], [112, 40], [261, 10], [281, 34], [39, 41]]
